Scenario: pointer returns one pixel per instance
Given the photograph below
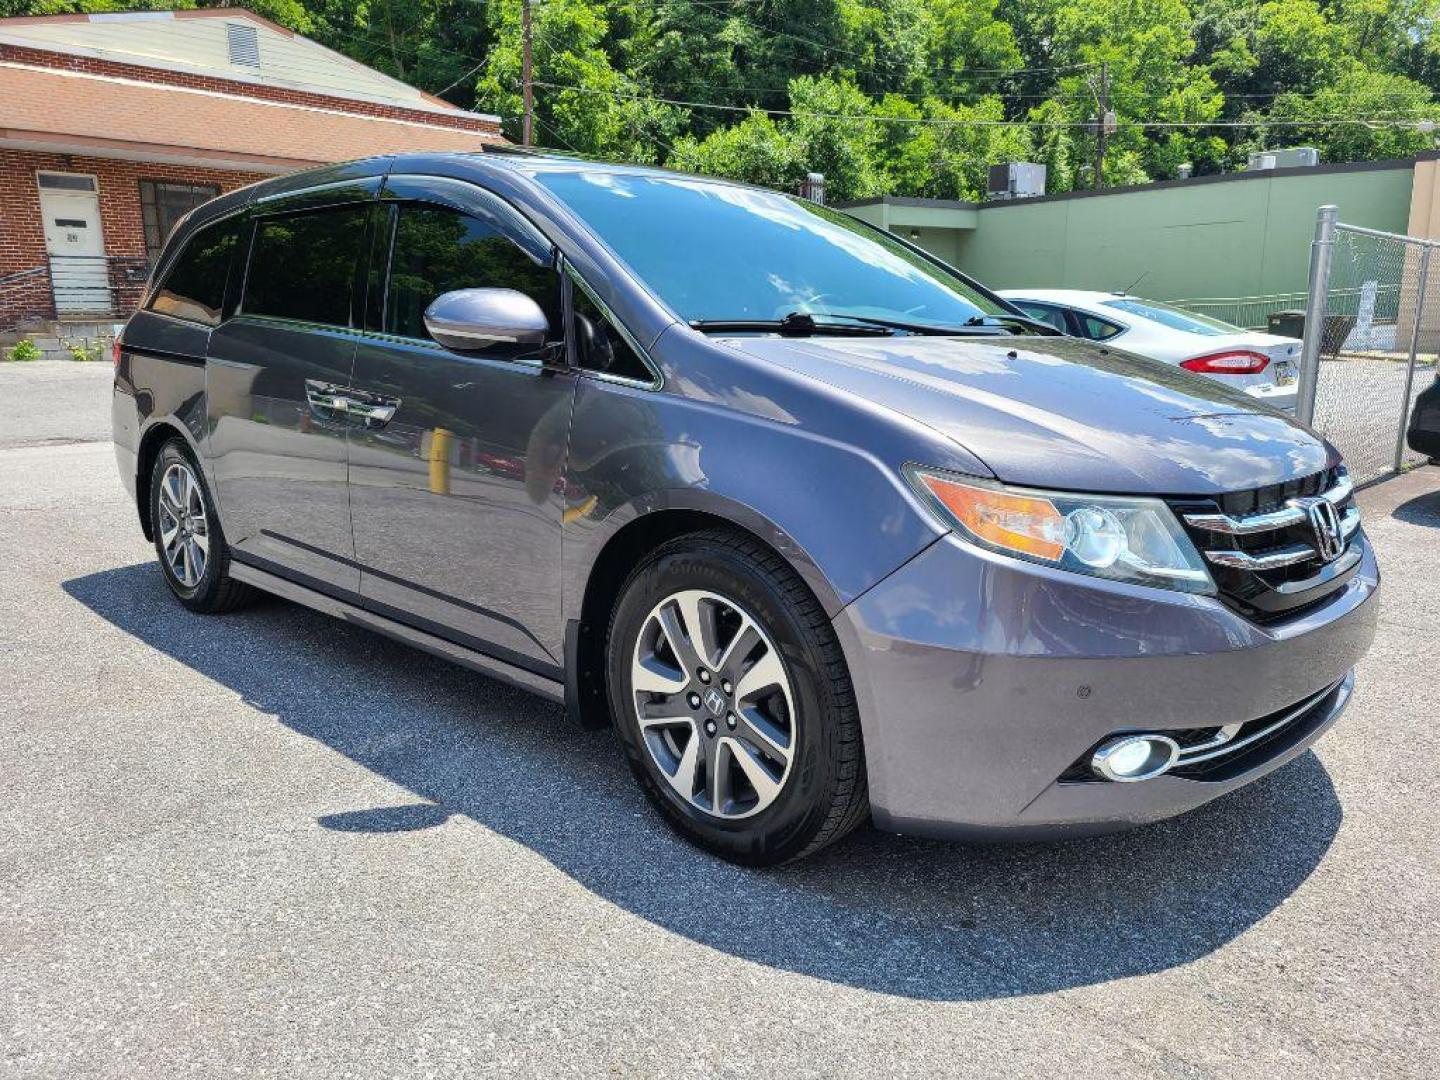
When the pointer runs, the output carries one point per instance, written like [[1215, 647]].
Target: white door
[[79, 277]]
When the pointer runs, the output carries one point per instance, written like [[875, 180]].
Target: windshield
[[712, 251], [1175, 318]]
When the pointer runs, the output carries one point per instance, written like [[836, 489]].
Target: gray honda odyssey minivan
[[825, 530]]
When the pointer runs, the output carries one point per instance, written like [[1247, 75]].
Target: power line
[[937, 122], [462, 78]]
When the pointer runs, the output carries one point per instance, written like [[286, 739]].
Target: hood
[[1064, 413]]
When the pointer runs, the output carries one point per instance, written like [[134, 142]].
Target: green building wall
[[1237, 236]]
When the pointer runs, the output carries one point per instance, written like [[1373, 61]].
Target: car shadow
[[1421, 510], [903, 916]]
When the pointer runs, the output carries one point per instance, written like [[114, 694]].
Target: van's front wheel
[[731, 697]]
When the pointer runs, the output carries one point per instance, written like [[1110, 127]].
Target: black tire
[[215, 592], [824, 795]]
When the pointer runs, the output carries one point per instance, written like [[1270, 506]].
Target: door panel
[[79, 276], [276, 375], [279, 457], [455, 501], [455, 498]]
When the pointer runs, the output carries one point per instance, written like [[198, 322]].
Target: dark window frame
[[358, 282], [1082, 329], [1028, 306], [239, 257], [508, 222], [150, 211], [574, 283]]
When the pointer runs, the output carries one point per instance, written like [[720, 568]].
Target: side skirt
[[438, 646]]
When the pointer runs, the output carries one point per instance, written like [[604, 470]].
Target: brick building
[[113, 126]]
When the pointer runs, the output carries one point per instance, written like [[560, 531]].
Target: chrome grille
[[1296, 512], [1277, 549]]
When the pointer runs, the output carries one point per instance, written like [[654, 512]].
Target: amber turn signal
[[1020, 523]]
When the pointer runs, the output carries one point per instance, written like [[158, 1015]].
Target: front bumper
[[982, 679]]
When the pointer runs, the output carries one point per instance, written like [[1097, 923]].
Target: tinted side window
[[600, 346], [194, 286], [303, 266], [438, 250], [1045, 313], [1096, 328]]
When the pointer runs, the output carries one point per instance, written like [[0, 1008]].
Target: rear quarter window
[[1096, 328], [193, 288]]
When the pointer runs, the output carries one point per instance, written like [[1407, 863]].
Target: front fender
[[840, 516]]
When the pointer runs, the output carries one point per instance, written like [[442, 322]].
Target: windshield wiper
[[894, 324], [804, 324], [1017, 320], [795, 324]]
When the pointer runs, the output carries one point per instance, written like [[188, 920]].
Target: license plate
[[1284, 373]]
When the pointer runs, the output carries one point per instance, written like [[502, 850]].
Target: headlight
[[1124, 538]]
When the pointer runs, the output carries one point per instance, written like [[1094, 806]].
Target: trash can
[[1291, 324], [1286, 323]]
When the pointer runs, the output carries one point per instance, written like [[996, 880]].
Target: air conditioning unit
[[1296, 157], [1016, 180]]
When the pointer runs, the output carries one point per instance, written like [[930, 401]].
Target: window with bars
[[163, 203]]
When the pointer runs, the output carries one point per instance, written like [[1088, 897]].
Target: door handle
[[374, 413], [326, 397], [374, 410]]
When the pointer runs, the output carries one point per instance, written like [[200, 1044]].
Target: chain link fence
[[1372, 335], [1253, 312]]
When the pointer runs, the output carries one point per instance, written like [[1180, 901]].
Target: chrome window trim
[[431, 345], [286, 323]]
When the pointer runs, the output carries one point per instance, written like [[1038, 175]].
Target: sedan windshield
[[717, 252]]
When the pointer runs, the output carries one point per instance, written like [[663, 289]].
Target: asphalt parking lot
[[1358, 405], [270, 844]]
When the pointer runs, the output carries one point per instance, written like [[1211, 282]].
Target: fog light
[[1135, 757]]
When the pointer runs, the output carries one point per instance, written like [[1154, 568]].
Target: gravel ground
[[270, 844]]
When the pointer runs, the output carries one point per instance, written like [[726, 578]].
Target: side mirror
[[469, 319]]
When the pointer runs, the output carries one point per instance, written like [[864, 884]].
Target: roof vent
[[244, 44]]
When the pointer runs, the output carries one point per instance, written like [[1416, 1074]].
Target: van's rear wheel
[[732, 700], [188, 539]]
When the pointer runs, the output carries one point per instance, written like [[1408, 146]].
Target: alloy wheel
[[714, 704], [184, 528]]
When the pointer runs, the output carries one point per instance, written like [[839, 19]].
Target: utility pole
[[1101, 123], [527, 84]]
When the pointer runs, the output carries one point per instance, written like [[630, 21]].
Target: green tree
[[907, 97], [755, 150], [1362, 116]]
